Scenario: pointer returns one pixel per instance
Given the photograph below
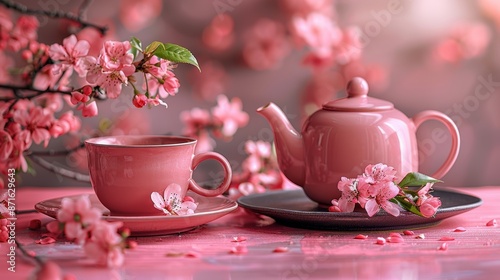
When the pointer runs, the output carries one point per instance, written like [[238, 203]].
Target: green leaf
[[151, 48], [136, 46], [416, 179], [406, 205], [176, 53]]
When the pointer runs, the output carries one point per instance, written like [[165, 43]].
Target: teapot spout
[[288, 142]]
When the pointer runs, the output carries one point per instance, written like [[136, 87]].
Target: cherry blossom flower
[[211, 82], [160, 78], [37, 122], [266, 45], [135, 15], [379, 173], [305, 7], [259, 152], [6, 145], [4, 232], [429, 206], [78, 217], [112, 81], [204, 143], [376, 189], [23, 32], [172, 203], [465, 41], [16, 158], [229, 115], [46, 78], [349, 190], [105, 245], [219, 34], [70, 54], [68, 122], [115, 55], [194, 120], [260, 172], [318, 32], [112, 68], [381, 200], [88, 109]]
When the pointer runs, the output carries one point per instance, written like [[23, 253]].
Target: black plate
[[293, 208]]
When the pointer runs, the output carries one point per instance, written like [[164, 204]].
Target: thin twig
[[52, 153], [52, 14], [60, 170], [36, 258], [16, 89]]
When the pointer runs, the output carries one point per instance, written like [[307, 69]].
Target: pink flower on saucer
[[172, 202], [105, 245], [78, 217]]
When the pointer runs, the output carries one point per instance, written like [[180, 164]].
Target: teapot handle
[[423, 116]]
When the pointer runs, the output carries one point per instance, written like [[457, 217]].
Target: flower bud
[[87, 90], [139, 100]]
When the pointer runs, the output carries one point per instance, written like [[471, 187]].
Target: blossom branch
[[59, 170], [36, 92], [55, 14], [36, 258], [52, 153]]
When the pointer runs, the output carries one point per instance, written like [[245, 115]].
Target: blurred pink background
[[418, 71]]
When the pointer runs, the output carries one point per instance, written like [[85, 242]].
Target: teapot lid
[[357, 99]]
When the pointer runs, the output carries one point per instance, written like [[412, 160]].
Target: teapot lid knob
[[357, 99], [357, 87]]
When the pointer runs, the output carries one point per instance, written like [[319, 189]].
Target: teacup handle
[[423, 116], [224, 185]]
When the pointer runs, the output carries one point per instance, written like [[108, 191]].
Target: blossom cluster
[[82, 224], [52, 77], [376, 189], [260, 172], [173, 202], [222, 120]]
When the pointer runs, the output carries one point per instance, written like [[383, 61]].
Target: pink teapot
[[346, 135]]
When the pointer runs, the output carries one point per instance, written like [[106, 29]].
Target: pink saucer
[[209, 209]]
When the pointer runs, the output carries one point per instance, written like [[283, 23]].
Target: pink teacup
[[125, 170]]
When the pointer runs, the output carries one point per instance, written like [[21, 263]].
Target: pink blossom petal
[[492, 223], [371, 207], [390, 208], [459, 229], [192, 254], [361, 236], [239, 239], [443, 247], [447, 238], [420, 236], [395, 237], [280, 250], [238, 250], [46, 240], [380, 241], [408, 232], [334, 209], [158, 201]]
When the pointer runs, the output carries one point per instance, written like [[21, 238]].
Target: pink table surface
[[312, 254]]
